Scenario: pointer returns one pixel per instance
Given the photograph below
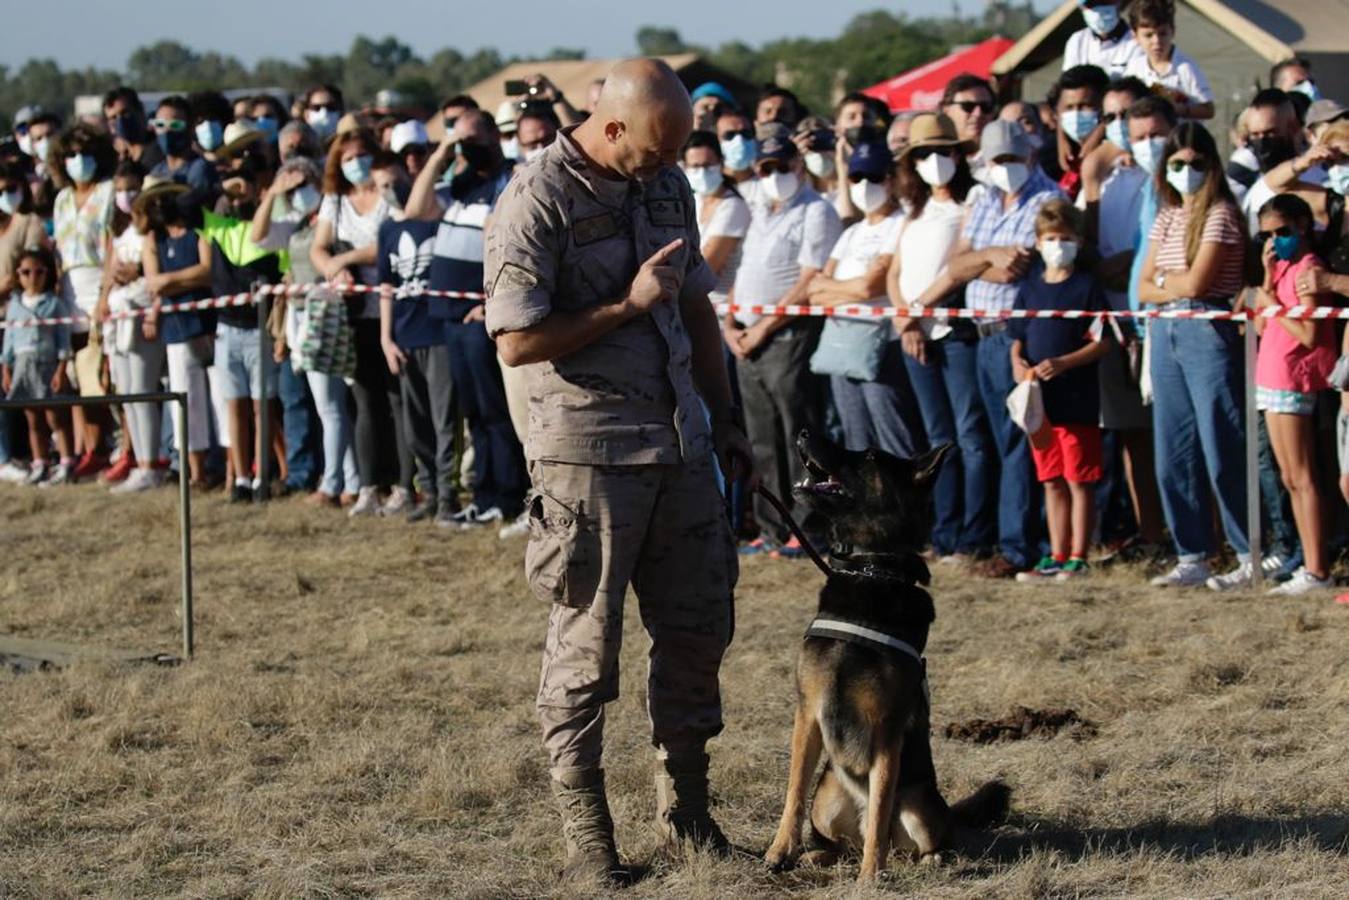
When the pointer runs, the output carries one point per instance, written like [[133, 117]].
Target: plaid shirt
[[989, 225]]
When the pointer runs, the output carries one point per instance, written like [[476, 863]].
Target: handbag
[[1339, 376], [851, 348], [327, 342]]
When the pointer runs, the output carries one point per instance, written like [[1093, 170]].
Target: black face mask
[[478, 157], [1270, 151], [175, 143], [129, 128]]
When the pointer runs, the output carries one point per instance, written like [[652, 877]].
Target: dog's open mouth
[[819, 480]]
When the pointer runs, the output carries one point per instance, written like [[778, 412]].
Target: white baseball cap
[[506, 114], [409, 132]]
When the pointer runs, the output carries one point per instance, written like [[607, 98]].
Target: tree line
[[871, 47]]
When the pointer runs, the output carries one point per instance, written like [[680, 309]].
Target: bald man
[[596, 287]]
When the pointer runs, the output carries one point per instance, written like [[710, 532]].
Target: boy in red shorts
[[1062, 355]]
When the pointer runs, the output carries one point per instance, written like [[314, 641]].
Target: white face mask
[[323, 121], [510, 149], [868, 196], [1337, 177], [40, 149], [780, 186], [819, 165], [9, 202], [1008, 177], [1101, 19], [26, 144], [1148, 153], [1058, 254], [936, 169], [1187, 180], [703, 179]]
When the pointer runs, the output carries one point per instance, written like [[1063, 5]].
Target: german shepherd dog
[[860, 679]]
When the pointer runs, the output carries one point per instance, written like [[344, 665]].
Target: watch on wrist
[[1159, 279]]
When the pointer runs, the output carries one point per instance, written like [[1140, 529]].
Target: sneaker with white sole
[[1301, 583], [399, 502], [483, 518], [367, 503], [61, 473], [13, 473], [1185, 574], [1044, 570], [463, 517], [1073, 568], [139, 480], [1238, 579], [517, 528], [1271, 564], [37, 473]]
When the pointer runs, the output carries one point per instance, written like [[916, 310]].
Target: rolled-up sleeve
[[821, 231], [699, 279], [522, 250]]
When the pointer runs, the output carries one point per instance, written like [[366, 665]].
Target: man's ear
[[614, 131], [926, 467]]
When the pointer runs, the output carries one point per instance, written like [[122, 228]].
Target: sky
[[102, 33]]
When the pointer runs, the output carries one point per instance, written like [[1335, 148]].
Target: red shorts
[[1074, 455]]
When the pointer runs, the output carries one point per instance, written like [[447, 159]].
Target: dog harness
[[839, 630]]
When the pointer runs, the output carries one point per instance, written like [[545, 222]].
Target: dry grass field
[[359, 722]]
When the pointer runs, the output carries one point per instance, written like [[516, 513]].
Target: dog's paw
[[818, 859], [932, 860], [782, 855]]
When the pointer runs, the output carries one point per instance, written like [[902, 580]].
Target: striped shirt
[[990, 225], [456, 263], [1223, 226]]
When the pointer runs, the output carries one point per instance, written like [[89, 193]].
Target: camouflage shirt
[[565, 237]]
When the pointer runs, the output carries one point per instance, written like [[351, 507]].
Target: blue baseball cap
[[870, 159], [713, 89]]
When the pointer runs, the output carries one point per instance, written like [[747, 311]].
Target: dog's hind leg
[[806, 744], [835, 822], [882, 790], [926, 818]]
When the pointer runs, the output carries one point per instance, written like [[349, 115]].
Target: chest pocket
[[666, 221], [597, 272]]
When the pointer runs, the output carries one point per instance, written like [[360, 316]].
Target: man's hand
[[1015, 259], [155, 284], [912, 340], [733, 449], [1316, 155], [656, 282], [285, 182], [1048, 368], [754, 337], [732, 335], [394, 356], [477, 314], [1313, 281]]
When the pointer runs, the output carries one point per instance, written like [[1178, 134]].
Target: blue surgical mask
[[1078, 123], [357, 169], [1117, 132], [323, 121], [1285, 246], [304, 200], [739, 153], [1309, 88], [210, 135], [81, 168], [1101, 19], [1337, 179], [1148, 153], [268, 126]]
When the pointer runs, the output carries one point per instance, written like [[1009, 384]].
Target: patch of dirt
[[1020, 724]]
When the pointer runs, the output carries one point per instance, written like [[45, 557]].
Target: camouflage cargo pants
[[594, 530]]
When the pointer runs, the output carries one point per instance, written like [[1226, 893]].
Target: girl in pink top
[[1295, 358]]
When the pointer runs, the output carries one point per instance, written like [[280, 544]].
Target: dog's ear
[[926, 467]]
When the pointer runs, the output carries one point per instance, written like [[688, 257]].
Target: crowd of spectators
[[1109, 194]]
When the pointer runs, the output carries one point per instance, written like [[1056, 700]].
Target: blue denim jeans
[[1275, 504], [6, 426], [1019, 494], [947, 387], [1199, 431], [500, 477], [883, 413], [299, 421]]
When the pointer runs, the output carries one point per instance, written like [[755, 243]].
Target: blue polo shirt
[[404, 262], [1072, 398]]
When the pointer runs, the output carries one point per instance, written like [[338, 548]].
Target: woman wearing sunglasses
[[1195, 261]]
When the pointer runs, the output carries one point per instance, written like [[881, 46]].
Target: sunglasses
[[319, 107], [168, 124], [969, 106], [772, 167], [33, 271], [923, 153], [1281, 231], [1197, 164], [1107, 118], [747, 134], [859, 178]]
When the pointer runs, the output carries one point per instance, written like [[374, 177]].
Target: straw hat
[[153, 187], [238, 135], [934, 130]]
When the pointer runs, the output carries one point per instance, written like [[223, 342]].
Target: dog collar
[[839, 630], [904, 568]]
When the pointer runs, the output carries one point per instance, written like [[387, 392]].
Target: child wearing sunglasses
[[1295, 358], [32, 362]]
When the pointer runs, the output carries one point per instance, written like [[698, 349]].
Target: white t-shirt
[[730, 218], [1184, 75], [925, 246], [1084, 48], [354, 228], [860, 244], [1259, 193]]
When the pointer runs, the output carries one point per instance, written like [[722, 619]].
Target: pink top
[[1283, 363]]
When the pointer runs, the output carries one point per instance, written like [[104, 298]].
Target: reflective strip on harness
[[833, 628]]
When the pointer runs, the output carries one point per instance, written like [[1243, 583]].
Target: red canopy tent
[[921, 88]]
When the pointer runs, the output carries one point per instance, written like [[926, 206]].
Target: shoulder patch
[[514, 276], [665, 212]]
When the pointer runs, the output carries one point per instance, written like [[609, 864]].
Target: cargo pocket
[[563, 560]]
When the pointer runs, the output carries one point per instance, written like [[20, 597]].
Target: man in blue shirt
[[173, 130]]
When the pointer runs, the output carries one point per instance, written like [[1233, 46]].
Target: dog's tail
[[985, 807]]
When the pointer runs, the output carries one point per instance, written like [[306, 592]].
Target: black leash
[[796, 530]]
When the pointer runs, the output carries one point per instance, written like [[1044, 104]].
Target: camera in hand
[[821, 141], [518, 88]]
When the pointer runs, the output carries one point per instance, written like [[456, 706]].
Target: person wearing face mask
[[1062, 356], [791, 232], [723, 215], [739, 146], [597, 287], [488, 395], [345, 252], [990, 259], [410, 143], [1196, 260], [268, 116], [856, 120], [323, 108], [124, 116], [1107, 42], [815, 141], [1275, 136], [934, 184], [862, 357], [297, 141], [1076, 98], [20, 228], [285, 220], [535, 130], [1330, 152], [172, 128], [453, 108], [81, 216], [210, 115], [1043, 141], [1294, 75]]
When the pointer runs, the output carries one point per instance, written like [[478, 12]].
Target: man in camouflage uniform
[[596, 286]]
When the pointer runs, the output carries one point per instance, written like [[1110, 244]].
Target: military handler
[[595, 285]]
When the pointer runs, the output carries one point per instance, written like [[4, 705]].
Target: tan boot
[[588, 828], [682, 804]]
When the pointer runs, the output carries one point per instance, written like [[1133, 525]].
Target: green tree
[[653, 40]]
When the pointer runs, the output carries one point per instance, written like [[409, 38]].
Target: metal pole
[[262, 406], [185, 526], [1252, 456]]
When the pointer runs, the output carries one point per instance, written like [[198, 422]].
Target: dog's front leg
[[806, 744], [882, 788]]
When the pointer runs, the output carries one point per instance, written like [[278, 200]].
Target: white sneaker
[[37, 473], [517, 528], [1185, 574], [139, 480], [13, 473], [465, 518], [399, 502], [1271, 564], [483, 518], [61, 473], [367, 503], [1301, 583], [1235, 580]]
